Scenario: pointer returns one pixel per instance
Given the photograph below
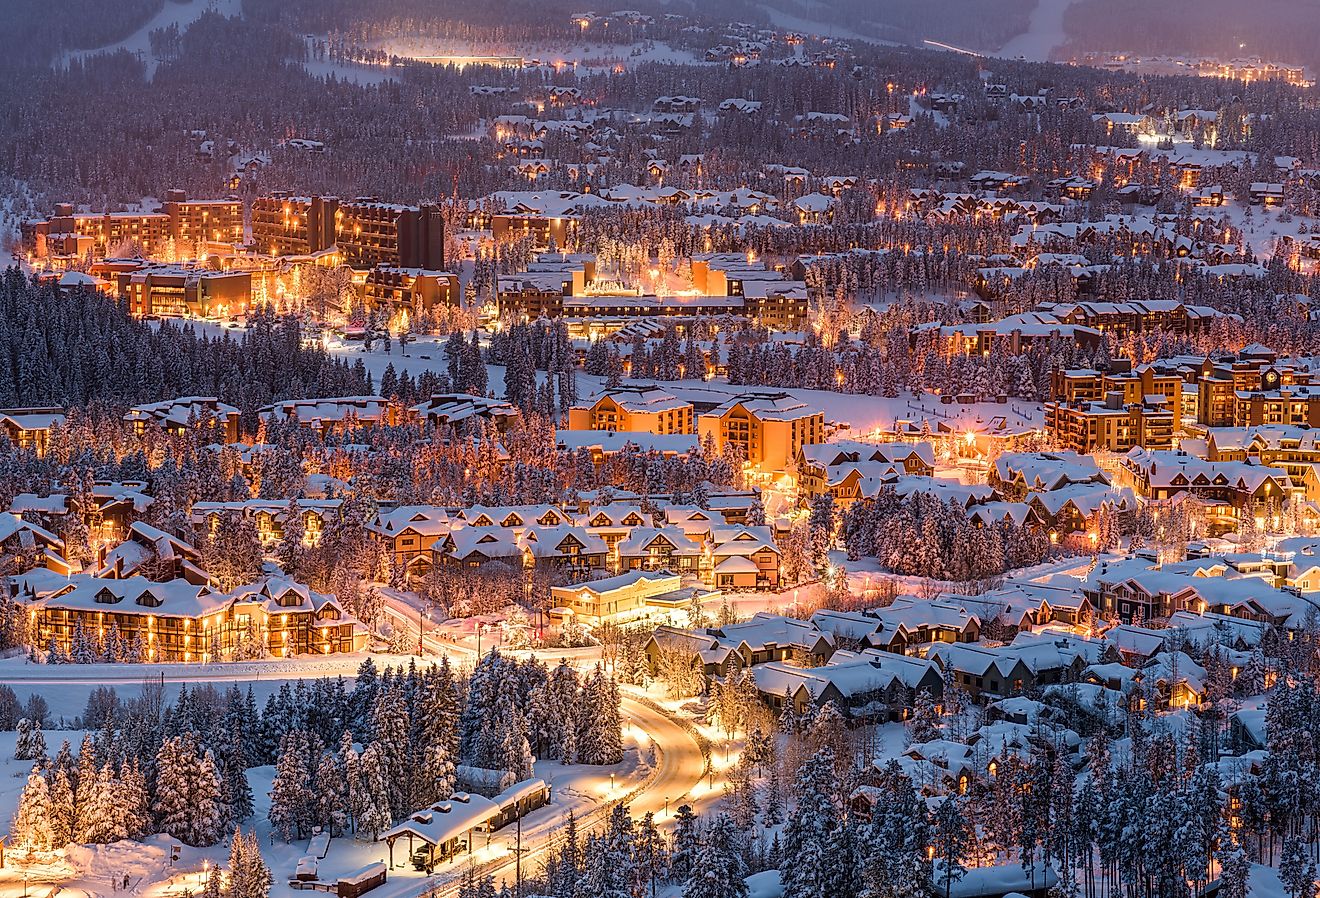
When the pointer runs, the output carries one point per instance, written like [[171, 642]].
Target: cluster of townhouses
[[1078, 631]]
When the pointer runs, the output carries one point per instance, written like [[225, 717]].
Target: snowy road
[[680, 767]]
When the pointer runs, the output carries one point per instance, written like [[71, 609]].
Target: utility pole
[[517, 854]]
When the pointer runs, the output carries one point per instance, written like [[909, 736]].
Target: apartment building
[[414, 290], [177, 291], [1112, 425], [646, 409], [287, 225], [558, 285], [366, 232], [204, 221], [767, 429], [70, 234], [180, 621]]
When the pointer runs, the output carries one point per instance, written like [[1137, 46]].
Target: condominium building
[[767, 429], [177, 415], [633, 410], [287, 225], [68, 234], [1112, 425], [180, 621], [365, 231], [416, 290], [173, 290], [204, 221], [558, 285]]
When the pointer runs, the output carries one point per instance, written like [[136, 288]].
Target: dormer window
[[106, 597], [148, 600]]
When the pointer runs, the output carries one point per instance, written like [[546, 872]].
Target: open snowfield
[[587, 55], [1044, 33], [181, 14]]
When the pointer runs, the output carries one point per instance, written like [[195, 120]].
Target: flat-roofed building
[[179, 291], [417, 290], [288, 225], [204, 221], [1111, 425], [558, 285], [371, 233]]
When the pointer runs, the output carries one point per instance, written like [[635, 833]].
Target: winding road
[[681, 766]]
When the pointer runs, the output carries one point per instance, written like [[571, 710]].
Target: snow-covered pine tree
[[100, 814], [373, 792], [32, 820], [249, 877], [330, 796], [717, 870], [811, 830], [30, 744], [687, 843], [133, 800], [188, 804], [63, 813], [291, 796]]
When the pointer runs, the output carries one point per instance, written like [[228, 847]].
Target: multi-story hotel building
[[1112, 425], [562, 285], [204, 221], [366, 231], [178, 291], [70, 234], [633, 410], [287, 225], [767, 429], [180, 621], [417, 290]]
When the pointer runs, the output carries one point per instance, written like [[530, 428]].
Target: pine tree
[[134, 801], [188, 804], [812, 829], [30, 745], [249, 877], [101, 814], [32, 820], [373, 812], [951, 837], [687, 843], [291, 796], [1296, 869], [330, 793], [63, 812], [718, 870]]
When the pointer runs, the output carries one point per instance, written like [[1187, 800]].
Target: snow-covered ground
[[1044, 33], [861, 414], [181, 14], [587, 56], [821, 28]]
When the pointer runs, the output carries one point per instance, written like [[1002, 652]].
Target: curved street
[[679, 769]]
